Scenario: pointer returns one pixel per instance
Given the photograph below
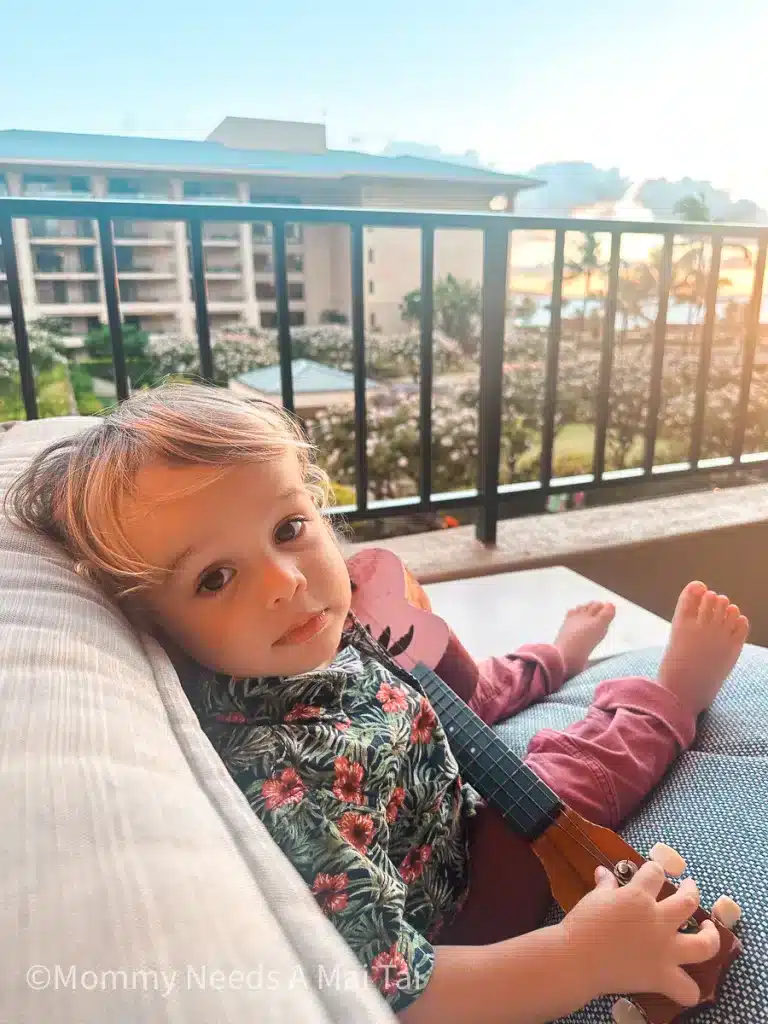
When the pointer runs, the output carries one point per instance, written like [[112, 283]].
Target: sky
[[657, 89]]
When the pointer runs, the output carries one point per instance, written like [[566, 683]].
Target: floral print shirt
[[350, 771]]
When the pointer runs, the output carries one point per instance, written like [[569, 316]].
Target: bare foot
[[582, 631], [708, 634]]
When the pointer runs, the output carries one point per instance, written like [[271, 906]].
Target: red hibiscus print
[[414, 861], [424, 723], [357, 829], [287, 788], [396, 801], [348, 780], [436, 928], [392, 698], [343, 725], [303, 713], [387, 968], [231, 718], [330, 892]]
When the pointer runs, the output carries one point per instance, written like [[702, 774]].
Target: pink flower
[[343, 725], [414, 861], [348, 780], [357, 829], [424, 723], [330, 892], [231, 718], [387, 968], [303, 713], [392, 698], [396, 801], [287, 788]]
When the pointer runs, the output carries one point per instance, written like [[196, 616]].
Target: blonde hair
[[73, 489]]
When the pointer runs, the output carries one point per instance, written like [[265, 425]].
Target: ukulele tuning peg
[[668, 859], [625, 1012], [727, 912]]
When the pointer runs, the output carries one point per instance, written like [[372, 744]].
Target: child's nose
[[283, 580]]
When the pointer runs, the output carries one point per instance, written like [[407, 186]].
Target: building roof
[[309, 378], [147, 154]]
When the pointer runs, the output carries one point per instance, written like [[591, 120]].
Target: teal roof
[[309, 378], [121, 152]]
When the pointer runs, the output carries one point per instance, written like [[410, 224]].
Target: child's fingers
[[698, 948], [650, 877], [677, 908], [681, 988]]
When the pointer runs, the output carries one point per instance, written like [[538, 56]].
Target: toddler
[[202, 515]]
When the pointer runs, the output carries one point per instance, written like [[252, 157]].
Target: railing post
[[705, 355], [494, 314], [201, 300], [358, 350], [283, 315], [26, 372], [606, 360], [109, 270], [552, 370], [748, 361], [657, 360], [427, 364]]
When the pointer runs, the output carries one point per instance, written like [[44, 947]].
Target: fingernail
[[601, 874]]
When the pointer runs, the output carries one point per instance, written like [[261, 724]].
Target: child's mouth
[[305, 631]]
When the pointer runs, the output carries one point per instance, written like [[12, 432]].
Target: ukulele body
[[391, 604]]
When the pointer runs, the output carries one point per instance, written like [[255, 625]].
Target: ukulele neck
[[488, 765]]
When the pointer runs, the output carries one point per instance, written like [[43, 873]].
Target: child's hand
[[632, 942]]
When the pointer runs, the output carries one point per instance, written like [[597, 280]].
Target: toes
[[732, 615], [690, 600], [707, 608], [741, 629], [720, 610]]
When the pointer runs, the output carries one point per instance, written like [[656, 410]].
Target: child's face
[[259, 586]]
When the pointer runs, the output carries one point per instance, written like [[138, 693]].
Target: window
[[296, 319], [269, 319], [370, 286], [88, 260], [80, 184], [48, 261], [294, 263], [90, 291], [262, 263], [132, 321], [124, 257], [370, 255], [210, 190], [93, 323], [128, 291], [123, 186], [261, 232], [84, 229], [265, 290], [5, 299], [60, 292], [294, 233], [296, 291]]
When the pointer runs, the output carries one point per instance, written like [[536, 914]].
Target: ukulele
[[392, 606]]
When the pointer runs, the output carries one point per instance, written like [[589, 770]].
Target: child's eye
[[215, 581], [290, 530]]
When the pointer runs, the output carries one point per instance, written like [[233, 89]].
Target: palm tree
[[587, 266]]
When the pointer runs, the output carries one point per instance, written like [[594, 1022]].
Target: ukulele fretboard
[[488, 765]]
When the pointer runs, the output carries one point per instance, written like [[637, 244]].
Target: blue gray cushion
[[711, 807]]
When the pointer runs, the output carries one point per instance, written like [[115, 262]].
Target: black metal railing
[[497, 230]]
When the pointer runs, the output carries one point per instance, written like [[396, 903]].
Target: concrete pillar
[[186, 312], [99, 191], [251, 307], [24, 254]]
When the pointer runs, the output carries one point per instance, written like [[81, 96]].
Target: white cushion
[[131, 864]]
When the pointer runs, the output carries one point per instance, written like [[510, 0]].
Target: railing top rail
[[158, 210]]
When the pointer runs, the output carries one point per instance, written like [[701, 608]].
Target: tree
[[457, 308], [587, 265], [692, 208], [333, 316], [98, 342]]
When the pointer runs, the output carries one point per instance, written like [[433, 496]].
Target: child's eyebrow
[[180, 559]]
